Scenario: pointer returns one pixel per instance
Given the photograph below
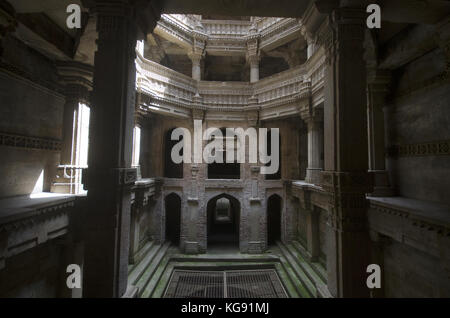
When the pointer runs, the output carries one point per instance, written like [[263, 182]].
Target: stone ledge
[[420, 224], [426, 211], [22, 207], [27, 221]]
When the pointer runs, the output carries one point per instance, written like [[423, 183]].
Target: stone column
[[376, 93], [312, 233], [254, 70], [77, 78], [310, 42], [196, 65], [345, 178], [110, 177], [197, 55], [253, 58], [315, 147]]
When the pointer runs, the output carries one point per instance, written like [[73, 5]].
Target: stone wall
[[412, 273], [323, 235], [34, 273], [418, 117], [301, 225], [195, 189], [30, 121]]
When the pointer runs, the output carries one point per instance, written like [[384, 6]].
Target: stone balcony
[[165, 91]]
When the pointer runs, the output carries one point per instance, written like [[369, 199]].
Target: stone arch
[[172, 205], [223, 228]]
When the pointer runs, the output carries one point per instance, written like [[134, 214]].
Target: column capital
[[197, 52], [312, 115], [75, 73], [252, 118], [77, 78], [196, 57], [378, 84], [198, 114], [253, 52]]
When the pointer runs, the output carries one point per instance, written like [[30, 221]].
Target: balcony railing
[[167, 91]]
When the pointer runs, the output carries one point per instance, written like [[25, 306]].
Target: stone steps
[[152, 274], [314, 271], [152, 267], [151, 286], [137, 271], [316, 266], [140, 255], [306, 286]]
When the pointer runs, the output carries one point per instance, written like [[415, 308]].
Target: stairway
[[301, 279], [312, 276], [150, 268]]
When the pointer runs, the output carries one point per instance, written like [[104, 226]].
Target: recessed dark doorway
[[273, 219], [223, 221], [171, 169], [173, 218]]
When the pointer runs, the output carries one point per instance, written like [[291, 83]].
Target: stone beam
[[60, 43], [260, 8], [414, 11], [8, 21], [407, 46]]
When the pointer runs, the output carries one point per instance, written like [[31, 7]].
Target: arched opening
[[171, 169], [225, 170], [273, 219], [173, 218], [223, 221]]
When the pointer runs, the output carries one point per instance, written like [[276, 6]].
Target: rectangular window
[[82, 146]]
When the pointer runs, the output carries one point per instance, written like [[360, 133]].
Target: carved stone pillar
[[196, 65], [8, 21], [312, 233], [253, 57], [345, 178], [197, 55], [254, 69], [110, 176], [77, 78], [311, 48], [315, 147], [376, 93]]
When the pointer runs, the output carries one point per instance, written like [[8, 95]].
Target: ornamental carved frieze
[[219, 35], [28, 142], [162, 90], [432, 148]]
